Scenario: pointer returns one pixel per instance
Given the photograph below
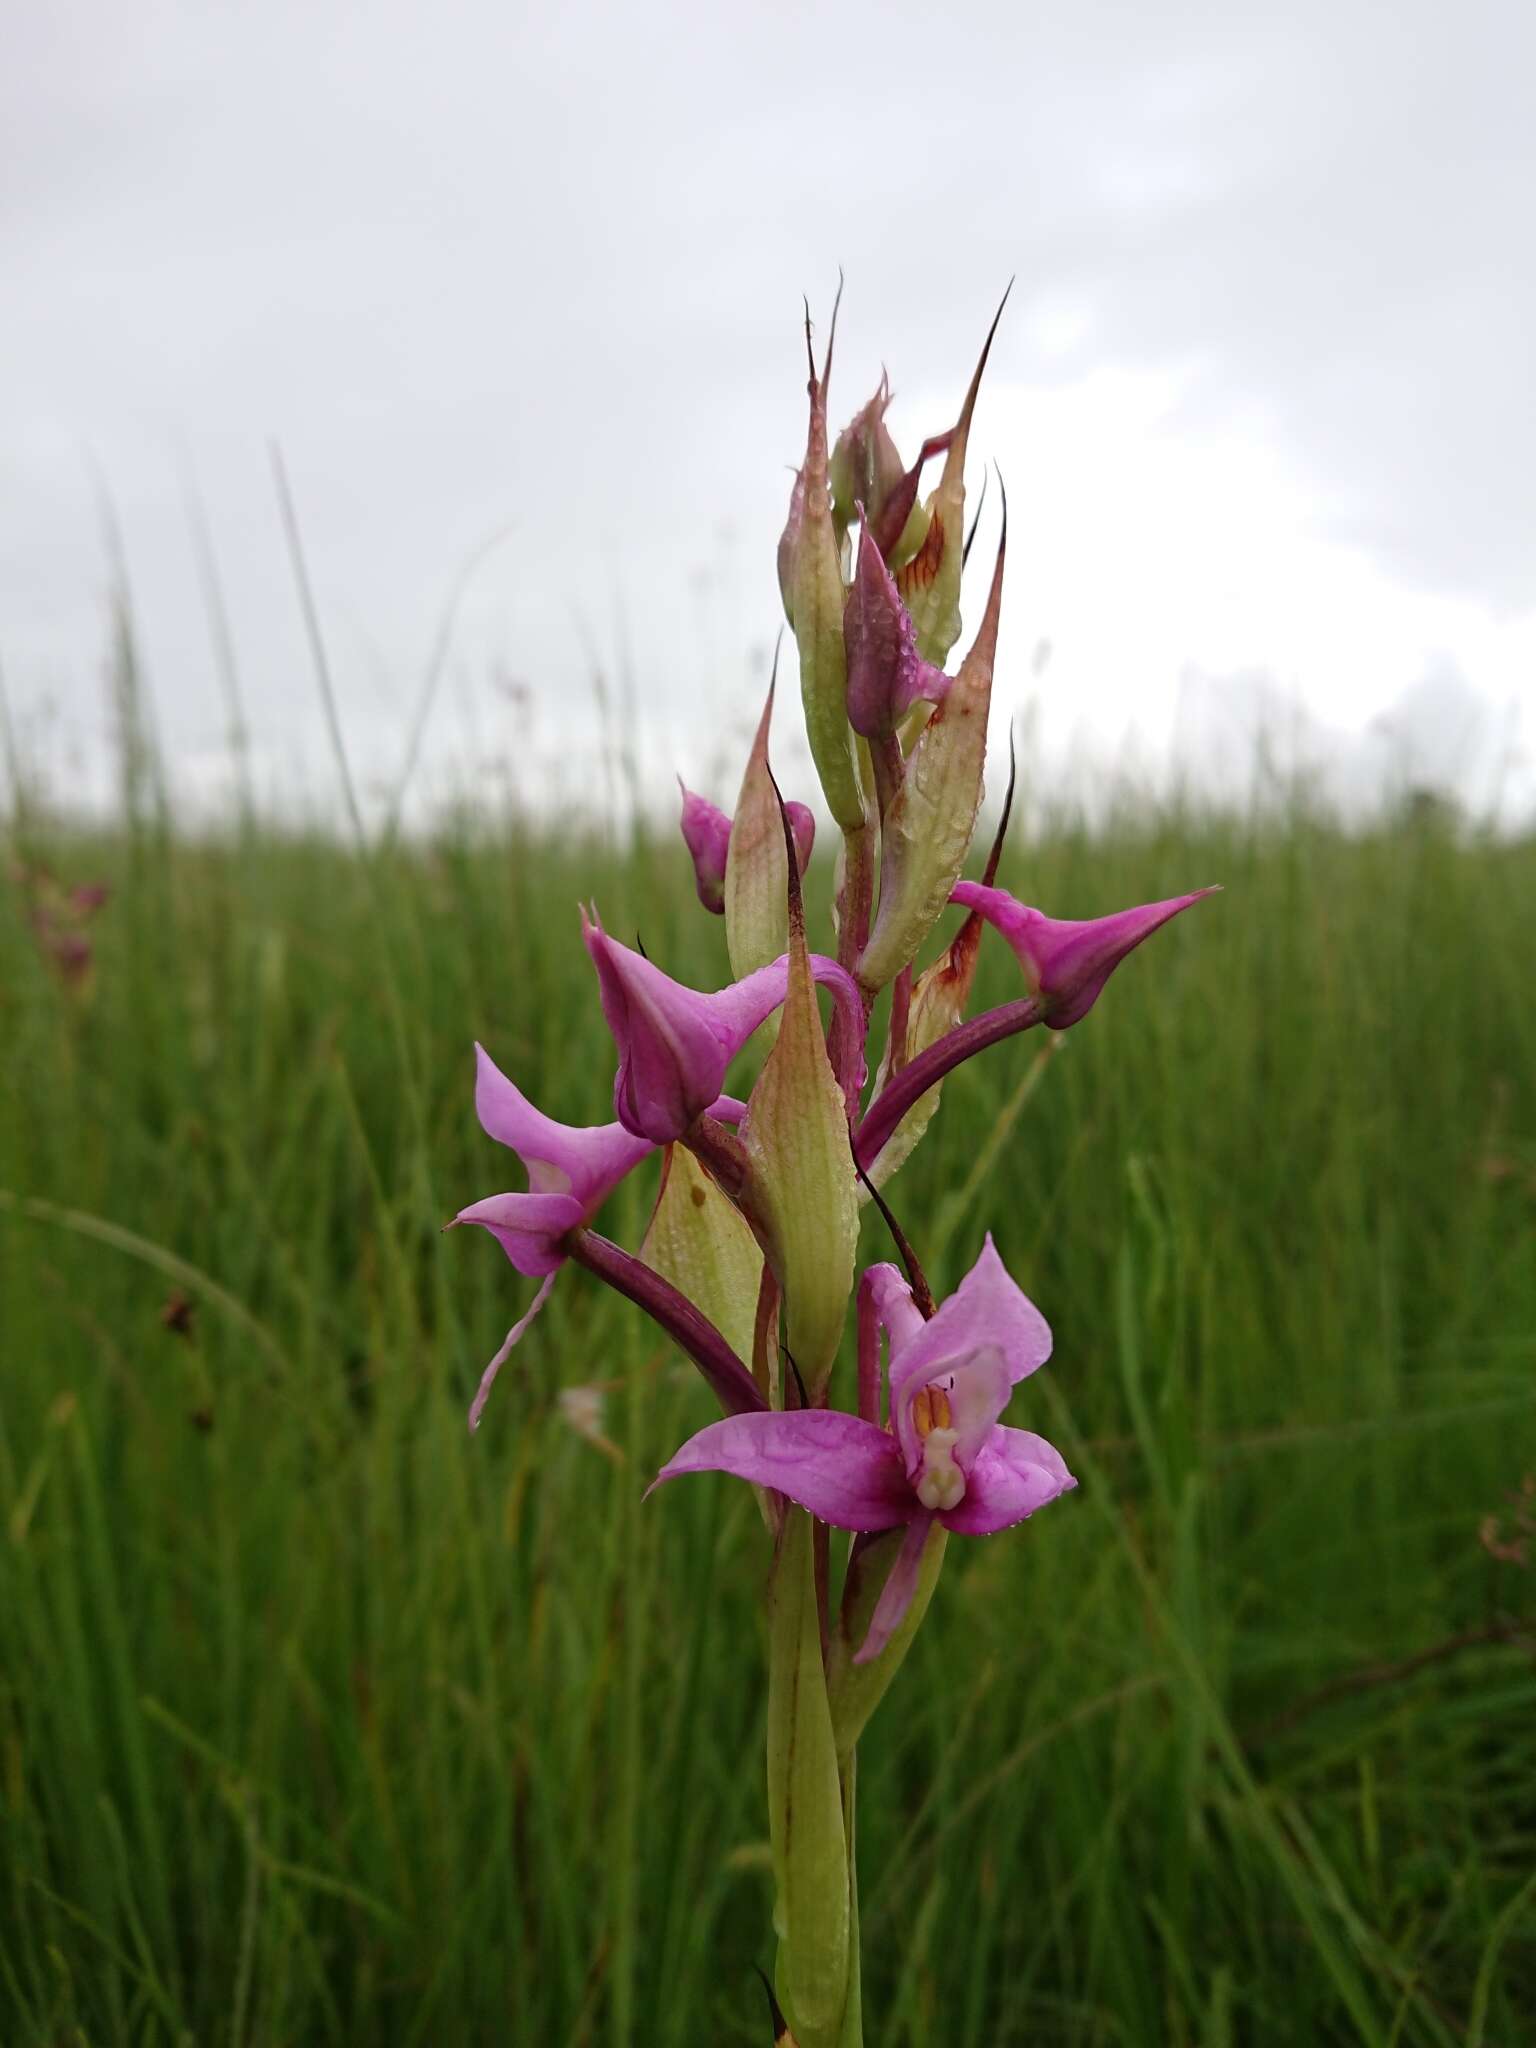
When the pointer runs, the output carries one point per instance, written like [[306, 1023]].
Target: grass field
[[322, 1722]]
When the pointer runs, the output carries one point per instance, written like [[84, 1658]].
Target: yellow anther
[[930, 1410]]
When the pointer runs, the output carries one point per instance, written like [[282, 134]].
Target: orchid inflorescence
[[749, 1261]]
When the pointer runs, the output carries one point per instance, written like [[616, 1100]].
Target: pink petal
[[988, 1315], [978, 1390], [896, 1593], [488, 1377], [1014, 1473], [588, 1162], [527, 1227], [846, 1471]]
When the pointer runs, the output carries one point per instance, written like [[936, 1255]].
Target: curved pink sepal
[[1067, 961], [587, 1162]]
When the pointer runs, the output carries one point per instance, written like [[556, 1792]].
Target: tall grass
[[321, 1722]]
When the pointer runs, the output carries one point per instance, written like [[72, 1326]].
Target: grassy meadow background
[[321, 1722]]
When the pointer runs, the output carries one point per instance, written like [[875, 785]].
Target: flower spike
[[749, 1263]]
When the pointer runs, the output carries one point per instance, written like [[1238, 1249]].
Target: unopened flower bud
[[886, 674], [802, 827], [865, 469], [707, 834]]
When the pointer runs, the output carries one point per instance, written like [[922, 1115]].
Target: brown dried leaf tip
[[178, 1313], [782, 2037]]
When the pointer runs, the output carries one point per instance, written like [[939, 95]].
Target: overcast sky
[[1263, 396]]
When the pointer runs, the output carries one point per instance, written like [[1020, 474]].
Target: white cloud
[[1262, 397]]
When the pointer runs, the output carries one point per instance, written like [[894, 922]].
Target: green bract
[[805, 1811], [757, 865], [812, 576], [803, 1192], [698, 1241]]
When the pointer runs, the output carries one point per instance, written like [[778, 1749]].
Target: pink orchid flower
[[942, 1455], [676, 1043], [1067, 960]]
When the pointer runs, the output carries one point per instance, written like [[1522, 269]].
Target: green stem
[[855, 904], [852, 2035]]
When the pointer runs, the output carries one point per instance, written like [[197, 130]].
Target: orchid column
[[750, 1261]]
